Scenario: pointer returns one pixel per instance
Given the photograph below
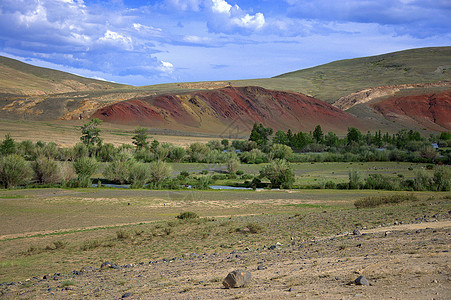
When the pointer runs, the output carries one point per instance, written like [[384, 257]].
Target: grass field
[[60, 230]]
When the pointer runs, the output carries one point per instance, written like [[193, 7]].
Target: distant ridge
[[23, 79]]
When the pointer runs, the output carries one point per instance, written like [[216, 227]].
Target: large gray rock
[[236, 279], [361, 280]]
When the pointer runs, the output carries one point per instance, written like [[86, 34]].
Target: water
[[213, 187]]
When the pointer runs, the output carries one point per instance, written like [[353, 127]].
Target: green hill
[[20, 78], [336, 79]]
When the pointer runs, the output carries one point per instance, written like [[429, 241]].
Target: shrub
[[122, 234], [441, 179], [177, 154], [139, 175], [46, 170], [280, 173], [85, 167], [187, 215], [159, 171], [120, 168], [281, 151], [421, 181], [14, 170], [255, 227], [232, 166], [203, 183], [380, 200], [354, 180]]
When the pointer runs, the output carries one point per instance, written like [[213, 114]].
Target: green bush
[[280, 174], [354, 180], [187, 215], [14, 170], [441, 178], [232, 166], [46, 170], [139, 175], [255, 227], [374, 201], [85, 167], [159, 171], [120, 168]]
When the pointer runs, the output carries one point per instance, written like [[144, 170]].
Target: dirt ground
[[409, 261]]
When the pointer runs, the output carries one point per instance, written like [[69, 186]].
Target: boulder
[[361, 280], [236, 279]]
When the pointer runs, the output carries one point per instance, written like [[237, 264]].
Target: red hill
[[229, 108]]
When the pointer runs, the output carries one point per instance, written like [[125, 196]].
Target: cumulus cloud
[[226, 18]]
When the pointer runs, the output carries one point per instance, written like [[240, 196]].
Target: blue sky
[[151, 42]]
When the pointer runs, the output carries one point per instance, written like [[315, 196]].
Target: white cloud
[[256, 21], [183, 5], [221, 6], [117, 39], [166, 67], [195, 39]]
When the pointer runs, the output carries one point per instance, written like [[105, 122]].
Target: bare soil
[[409, 261]]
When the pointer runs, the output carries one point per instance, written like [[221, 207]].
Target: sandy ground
[[410, 261]]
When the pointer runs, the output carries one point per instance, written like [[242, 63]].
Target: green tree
[[91, 133], [85, 167], [14, 170], [354, 135], [140, 138], [260, 134], [8, 146], [280, 173], [232, 165], [318, 134]]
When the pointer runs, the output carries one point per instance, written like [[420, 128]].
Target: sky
[[162, 41]]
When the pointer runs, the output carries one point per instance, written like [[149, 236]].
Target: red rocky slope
[[230, 107], [431, 111]]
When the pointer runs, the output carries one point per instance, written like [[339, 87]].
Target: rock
[[356, 232], [260, 267], [126, 295], [236, 279], [107, 265], [361, 280]]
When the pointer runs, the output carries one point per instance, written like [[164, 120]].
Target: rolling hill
[[365, 88]]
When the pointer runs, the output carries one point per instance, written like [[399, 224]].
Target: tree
[[354, 135], [280, 173], [260, 134], [91, 133], [14, 170], [85, 167], [140, 138], [8, 146], [318, 134]]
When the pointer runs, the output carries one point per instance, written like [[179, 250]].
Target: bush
[[120, 168], [380, 200], [354, 180], [255, 227], [232, 166], [441, 179], [85, 167], [159, 171], [46, 170], [139, 175], [187, 215], [280, 173], [203, 183], [14, 170]]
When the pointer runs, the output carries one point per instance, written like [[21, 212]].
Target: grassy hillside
[[336, 79], [20, 78]]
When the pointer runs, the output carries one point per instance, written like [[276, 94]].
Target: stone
[[126, 295], [356, 232], [236, 279], [361, 280], [107, 265], [260, 267]]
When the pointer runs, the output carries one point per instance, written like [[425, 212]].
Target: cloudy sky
[[151, 42]]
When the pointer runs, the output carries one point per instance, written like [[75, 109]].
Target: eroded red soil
[[230, 106], [431, 111]]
